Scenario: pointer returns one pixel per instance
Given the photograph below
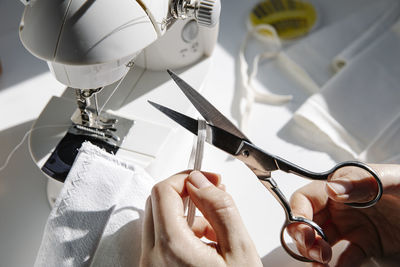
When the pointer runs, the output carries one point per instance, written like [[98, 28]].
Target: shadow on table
[[295, 134], [23, 203], [279, 257]]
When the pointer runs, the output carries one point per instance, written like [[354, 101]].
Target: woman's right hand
[[371, 232]]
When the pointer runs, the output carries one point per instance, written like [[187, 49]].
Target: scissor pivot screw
[[245, 153]]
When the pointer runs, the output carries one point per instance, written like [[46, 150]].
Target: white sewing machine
[[112, 56]]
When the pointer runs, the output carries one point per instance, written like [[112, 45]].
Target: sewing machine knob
[[207, 12]]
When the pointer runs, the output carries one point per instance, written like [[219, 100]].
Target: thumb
[[219, 209], [353, 184]]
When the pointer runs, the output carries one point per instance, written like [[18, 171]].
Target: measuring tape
[[290, 18]]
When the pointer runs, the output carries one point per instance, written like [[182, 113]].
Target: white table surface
[[26, 85]]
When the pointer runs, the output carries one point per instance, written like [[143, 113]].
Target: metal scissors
[[223, 134]]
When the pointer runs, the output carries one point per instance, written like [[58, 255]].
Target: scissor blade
[[185, 121], [206, 109], [215, 136]]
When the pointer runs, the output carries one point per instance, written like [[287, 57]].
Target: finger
[[148, 227], [167, 205], [219, 209], [307, 202], [214, 178], [202, 228], [321, 251], [353, 184], [318, 264], [390, 177], [353, 255], [222, 187], [303, 235], [364, 242]]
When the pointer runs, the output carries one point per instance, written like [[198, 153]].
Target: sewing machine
[[112, 56]]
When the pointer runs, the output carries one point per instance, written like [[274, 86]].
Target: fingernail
[[315, 253], [341, 187], [199, 180]]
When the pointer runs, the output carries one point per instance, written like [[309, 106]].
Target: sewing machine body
[[129, 51]]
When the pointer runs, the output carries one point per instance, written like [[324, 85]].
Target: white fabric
[[385, 21], [96, 220], [317, 53], [358, 110], [313, 60]]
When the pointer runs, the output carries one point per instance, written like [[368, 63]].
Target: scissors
[[223, 134]]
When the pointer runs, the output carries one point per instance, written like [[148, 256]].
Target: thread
[[7, 161], [112, 93]]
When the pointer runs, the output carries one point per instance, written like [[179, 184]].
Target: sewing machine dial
[[186, 43], [190, 31]]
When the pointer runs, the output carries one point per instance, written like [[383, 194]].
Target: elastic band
[[249, 93], [274, 51], [195, 161]]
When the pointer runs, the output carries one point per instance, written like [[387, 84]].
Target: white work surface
[[26, 85]]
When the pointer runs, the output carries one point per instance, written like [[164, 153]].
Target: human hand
[[371, 232], [169, 241]]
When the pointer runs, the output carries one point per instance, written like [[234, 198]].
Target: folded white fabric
[[383, 22], [96, 220], [339, 41], [358, 110]]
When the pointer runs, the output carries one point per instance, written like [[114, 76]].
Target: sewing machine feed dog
[[101, 50]]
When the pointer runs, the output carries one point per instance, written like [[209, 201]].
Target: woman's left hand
[[169, 241]]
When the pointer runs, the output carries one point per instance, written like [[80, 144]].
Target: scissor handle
[[292, 220], [370, 171], [272, 186], [292, 168]]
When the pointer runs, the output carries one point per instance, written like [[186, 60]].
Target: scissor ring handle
[[292, 220], [372, 172]]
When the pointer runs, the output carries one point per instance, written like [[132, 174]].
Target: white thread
[[120, 81], [112, 93], [23, 140]]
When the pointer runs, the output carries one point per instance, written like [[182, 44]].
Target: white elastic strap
[[249, 93], [298, 73], [292, 68], [196, 158]]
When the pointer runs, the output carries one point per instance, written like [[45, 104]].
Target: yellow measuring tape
[[290, 18]]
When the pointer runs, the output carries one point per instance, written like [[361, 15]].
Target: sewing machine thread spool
[[290, 18]]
